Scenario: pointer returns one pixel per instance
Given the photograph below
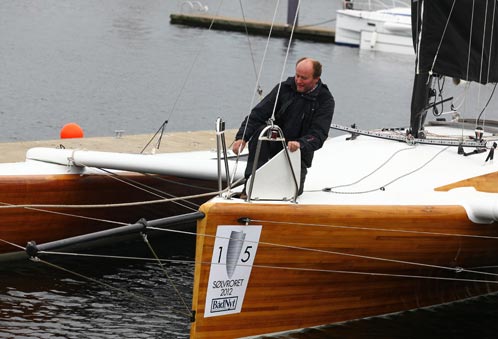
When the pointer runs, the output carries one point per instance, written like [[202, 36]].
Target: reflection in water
[[132, 25], [122, 299]]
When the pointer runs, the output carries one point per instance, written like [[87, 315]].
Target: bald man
[[304, 112]]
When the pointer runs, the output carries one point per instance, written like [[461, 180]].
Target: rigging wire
[[160, 130], [109, 286], [250, 46], [124, 204], [307, 269], [12, 244], [442, 38], [486, 106], [489, 59], [5, 205], [283, 67], [146, 240], [294, 23], [307, 249], [151, 190], [491, 39], [256, 88], [483, 41], [470, 39], [482, 49], [458, 269]]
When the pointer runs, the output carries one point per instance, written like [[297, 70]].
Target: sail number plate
[[234, 251]]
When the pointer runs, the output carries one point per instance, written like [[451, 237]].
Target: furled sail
[[454, 38], [457, 38]]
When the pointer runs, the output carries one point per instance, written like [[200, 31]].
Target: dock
[[171, 142], [312, 33]]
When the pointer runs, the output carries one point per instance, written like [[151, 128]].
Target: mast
[[421, 87], [420, 99]]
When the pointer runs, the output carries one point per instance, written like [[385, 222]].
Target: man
[[303, 111]]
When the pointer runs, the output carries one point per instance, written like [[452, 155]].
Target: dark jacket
[[303, 117]]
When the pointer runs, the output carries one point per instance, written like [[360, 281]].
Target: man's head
[[308, 72]]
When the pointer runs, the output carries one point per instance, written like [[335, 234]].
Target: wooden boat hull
[[23, 224], [318, 264]]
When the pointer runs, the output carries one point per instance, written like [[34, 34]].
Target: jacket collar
[[311, 94]]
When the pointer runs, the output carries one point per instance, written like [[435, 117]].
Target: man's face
[[304, 77]]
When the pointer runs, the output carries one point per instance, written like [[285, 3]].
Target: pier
[[312, 33], [121, 142]]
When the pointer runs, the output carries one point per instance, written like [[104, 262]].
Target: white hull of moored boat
[[384, 31]]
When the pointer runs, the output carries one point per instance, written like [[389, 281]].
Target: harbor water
[[120, 65]]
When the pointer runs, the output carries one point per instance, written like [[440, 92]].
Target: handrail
[[271, 133], [221, 147]]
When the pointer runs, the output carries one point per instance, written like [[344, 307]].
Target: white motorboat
[[385, 30]]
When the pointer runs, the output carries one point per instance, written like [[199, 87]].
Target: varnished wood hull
[[20, 225], [324, 264]]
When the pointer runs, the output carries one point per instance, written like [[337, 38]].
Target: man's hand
[[238, 146], [293, 145]]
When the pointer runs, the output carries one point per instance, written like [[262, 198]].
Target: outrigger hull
[[321, 264], [50, 207]]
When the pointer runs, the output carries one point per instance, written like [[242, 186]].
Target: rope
[[11, 243], [61, 213], [382, 187], [486, 106], [373, 273], [256, 88], [458, 269], [491, 40], [442, 38], [261, 66], [374, 171], [124, 204], [483, 40], [452, 269], [249, 43], [166, 274], [470, 38], [289, 44], [192, 262], [35, 208], [182, 88], [119, 257], [375, 229], [148, 189]]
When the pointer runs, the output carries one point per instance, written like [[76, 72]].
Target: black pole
[[291, 12], [420, 98], [32, 248]]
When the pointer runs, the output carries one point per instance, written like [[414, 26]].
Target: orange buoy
[[71, 130]]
